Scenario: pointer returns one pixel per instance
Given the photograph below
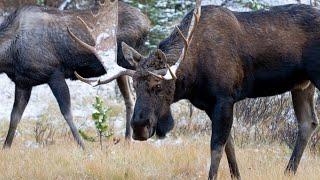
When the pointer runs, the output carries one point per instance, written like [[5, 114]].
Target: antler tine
[[186, 44], [156, 75], [196, 21], [127, 72], [193, 24], [171, 72], [98, 82], [185, 40], [87, 81], [83, 44], [85, 24]]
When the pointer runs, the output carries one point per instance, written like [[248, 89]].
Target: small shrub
[[101, 117]]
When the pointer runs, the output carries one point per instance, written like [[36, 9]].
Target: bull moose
[[221, 57], [37, 47]]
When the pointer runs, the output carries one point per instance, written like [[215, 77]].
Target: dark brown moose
[[37, 47], [232, 56]]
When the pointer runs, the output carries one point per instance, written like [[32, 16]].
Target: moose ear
[[131, 55]]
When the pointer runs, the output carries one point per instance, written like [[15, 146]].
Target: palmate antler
[[171, 71], [104, 33]]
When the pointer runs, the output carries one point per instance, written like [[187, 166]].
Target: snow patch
[[64, 5]]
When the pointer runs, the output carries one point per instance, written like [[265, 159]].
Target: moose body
[[36, 49], [232, 56]]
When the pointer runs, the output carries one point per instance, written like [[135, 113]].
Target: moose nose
[[139, 121], [141, 128]]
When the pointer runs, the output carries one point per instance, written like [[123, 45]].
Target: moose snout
[[141, 127]]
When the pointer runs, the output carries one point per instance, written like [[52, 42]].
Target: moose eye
[[157, 87]]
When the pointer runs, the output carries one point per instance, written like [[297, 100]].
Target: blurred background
[[257, 121]]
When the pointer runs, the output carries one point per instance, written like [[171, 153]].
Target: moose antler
[[171, 71], [98, 82], [104, 32]]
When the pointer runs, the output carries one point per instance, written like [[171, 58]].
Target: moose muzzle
[[142, 128]]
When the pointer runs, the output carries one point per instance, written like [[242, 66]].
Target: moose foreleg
[[232, 161], [21, 99], [303, 104], [60, 90], [221, 117]]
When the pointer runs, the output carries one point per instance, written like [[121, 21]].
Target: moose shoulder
[[232, 56]]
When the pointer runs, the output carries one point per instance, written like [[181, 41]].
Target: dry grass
[[188, 159]]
